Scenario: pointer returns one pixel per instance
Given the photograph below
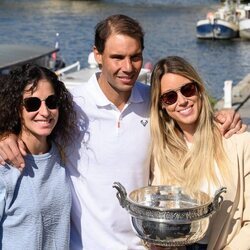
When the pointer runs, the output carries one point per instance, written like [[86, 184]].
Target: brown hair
[[119, 24]]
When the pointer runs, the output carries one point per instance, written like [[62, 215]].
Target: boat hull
[[216, 29], [204, 29], [244, 29]]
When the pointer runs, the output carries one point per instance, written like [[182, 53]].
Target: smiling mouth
[[46, 122], [185, 111], [126, 79]]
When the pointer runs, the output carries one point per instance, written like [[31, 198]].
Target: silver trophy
[[168, 215]]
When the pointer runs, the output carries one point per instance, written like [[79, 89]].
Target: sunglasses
[[186, 90], [32, 104]]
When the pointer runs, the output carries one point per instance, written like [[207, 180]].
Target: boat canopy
[[13, 55]]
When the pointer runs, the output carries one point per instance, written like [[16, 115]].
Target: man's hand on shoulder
[[229, 122], [12, 151]]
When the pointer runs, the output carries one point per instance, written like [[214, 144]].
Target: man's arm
[[229, 122], [12, 150]]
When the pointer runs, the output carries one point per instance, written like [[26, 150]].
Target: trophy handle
[[121, 194], [218, 198]]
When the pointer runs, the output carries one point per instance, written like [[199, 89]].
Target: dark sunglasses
[[186, 90], [32, 104]]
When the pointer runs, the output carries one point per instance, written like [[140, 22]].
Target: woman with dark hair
[[35, 204]]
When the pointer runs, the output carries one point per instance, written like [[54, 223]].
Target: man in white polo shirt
[[114, 141]]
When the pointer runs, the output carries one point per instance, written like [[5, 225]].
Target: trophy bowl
[[168, 215]]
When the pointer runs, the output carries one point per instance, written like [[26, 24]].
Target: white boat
[[73, 75], [216, 29], [244, 24], [12, 55], [222, 24]]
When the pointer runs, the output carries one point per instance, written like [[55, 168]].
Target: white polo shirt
[[113, 146]]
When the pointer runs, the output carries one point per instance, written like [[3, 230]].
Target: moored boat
[[216, 29], [222, 24], [244, 24], [12, 55], [204, 29]]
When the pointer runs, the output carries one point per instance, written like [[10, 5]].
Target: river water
[[169, 30]]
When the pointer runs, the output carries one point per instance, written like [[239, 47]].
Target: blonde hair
[[177, 164]]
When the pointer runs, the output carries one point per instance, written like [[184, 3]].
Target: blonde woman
[[188, 150]]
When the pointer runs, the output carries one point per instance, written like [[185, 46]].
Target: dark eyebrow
[[120, 56], [116, 56]]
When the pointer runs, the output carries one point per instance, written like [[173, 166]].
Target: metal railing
[[62, 71]]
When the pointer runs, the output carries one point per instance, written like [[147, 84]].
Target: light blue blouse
[[35, 204]]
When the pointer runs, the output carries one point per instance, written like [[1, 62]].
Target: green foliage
[[212, 100]]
